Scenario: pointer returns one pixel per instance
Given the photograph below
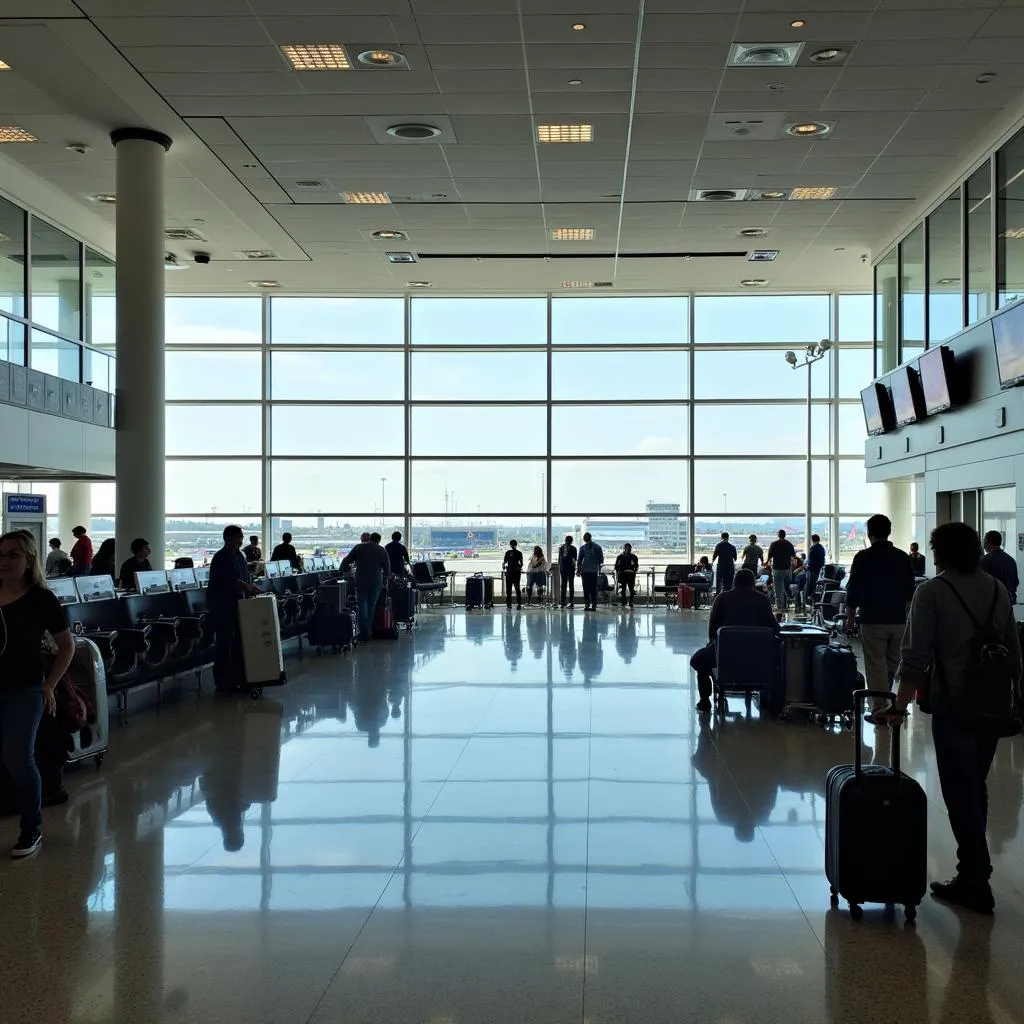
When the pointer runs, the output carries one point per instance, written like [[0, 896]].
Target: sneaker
[[976, 896], [704, 705], [28, 844]]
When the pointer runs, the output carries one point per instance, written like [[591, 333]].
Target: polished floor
[[496, 818]]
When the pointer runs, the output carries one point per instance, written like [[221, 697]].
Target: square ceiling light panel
[[765, 55], [366, 198], [15, 133], [316, 56], [573, 234], [565, 133], [816, 192]]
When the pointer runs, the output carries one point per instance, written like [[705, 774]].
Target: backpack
[[991, 703]]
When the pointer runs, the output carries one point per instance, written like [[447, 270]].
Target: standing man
[[725, 556], [81, 553], [398, 553], [512, 567], [230, 583], [815, 565], [753, 556], [917, 559], [998, 564], [372, 570], [626, 566], [252, 550], [591, 560], [780, 558], [285, 551], [567, 555], [881, 585]]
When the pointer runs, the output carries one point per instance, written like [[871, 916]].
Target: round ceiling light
[[578, 26], [414, 132], [718, 195], [575, 81], [386, 233], [753, 233], [773, 195], [753, 282], [797, 23], [985, 77], [104, 197], [829, 53], [808, 129], [418, 284], [764, 56], [381, 58]]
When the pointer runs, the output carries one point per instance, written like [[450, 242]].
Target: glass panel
[[350, 376], [480, 430], [474, 543], [591, 376], [1010, 182], [852, 432], [766, 319], [749, 487], [856, 496], [98, 370], [856, 318], [100, 299], [912, 285], [945, 304], [235, 375], [886, 313], [200, 538], [12, 258], [12, 341], [756, 373], [102, 499], [661, 533], [479, 376], [338, 430], [999, 512], [328, 485], [980, 272], [856, 370], [322, 321], [228, 487], [708, 530], [56, 280], [479, 321], [332, 534], [751, 429], [650, 320], [478, 486], [54, 355], [213, 429], [619, 429], [213, 320], [608, 486]]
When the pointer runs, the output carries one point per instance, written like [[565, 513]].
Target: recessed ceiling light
[[797, 23], [382, 58], [577, 284], [417, 284], [1012, 233], [839, 248], [808, 129], [948, 280], [13, 133], [256, 254], [104, 197], [4, 66], [317, 56], [414, 131], [829, 53], [573, 234], [171, 262], [753, 233], [578, 26], [265, 284], [575, 81], [5, 238], [762, 255], [565, 133], [309, 183], [753, 282], [774, 194], [826, 192], [985, 77], [777, 87], [402, 257], [762, 55], [390, 233], [366, 198]]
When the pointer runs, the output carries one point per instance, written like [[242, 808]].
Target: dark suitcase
[[332, 596], [876, 821], [329, 628], [798, 643], [403, 603], [479, 592], [835, 678]]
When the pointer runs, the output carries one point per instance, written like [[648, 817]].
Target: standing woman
[[536, 574], [27, 611]]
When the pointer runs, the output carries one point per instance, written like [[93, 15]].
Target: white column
[[74, 508], [140, 338], [897, 508]]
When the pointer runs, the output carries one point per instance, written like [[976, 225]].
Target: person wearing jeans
[[780, 556], [815, 565], [373, 566], [591, 560], [937, 659], [27, 611]]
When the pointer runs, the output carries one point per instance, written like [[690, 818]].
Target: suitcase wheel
[[856, 913], [256, 692], [98, 759], [910, 913]]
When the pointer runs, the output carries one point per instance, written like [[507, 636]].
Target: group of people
[[83, 562], [924, 637]]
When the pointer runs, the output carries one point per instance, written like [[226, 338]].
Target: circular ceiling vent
[[765, 56], [718, 195], [414, 132]]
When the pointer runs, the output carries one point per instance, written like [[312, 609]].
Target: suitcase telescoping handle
[[859, 697]]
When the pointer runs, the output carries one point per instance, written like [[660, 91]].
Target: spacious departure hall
[[395, 396]]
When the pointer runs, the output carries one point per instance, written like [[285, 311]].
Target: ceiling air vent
[[717, 195], [604, 284], [183, 235], [309, 183], [764, 55], [763, 255], [402, 257], [256, 254], [414, 132]]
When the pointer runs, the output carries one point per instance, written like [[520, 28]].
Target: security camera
[[864, 258], [201, 257], [791, 358]]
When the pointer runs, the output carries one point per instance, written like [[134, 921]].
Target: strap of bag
[[978, 627]]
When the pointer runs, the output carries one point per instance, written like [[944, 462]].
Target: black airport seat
[[423, 580]]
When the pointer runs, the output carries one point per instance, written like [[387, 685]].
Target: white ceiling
[[208, 72]]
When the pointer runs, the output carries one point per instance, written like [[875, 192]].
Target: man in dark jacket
[[139, 562], [815, 563], [725, 556], [998, 564], [398, 553], [741, 606], [285, 552], [626, 566], [881, 585], [567, 555], [230, 583]]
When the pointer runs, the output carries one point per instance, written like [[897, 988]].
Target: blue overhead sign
[[25, 504]]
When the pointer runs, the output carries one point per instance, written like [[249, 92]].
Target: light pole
[[383, 481], [811, 355], [725, 503]]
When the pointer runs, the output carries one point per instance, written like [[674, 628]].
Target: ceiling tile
[[301, 130], [183, 31], [460, 58], [960, 23], [478, 28], [684, 55]]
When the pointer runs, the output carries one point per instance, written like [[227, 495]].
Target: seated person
[[741, 606], [536, 574], [799, 584], [139, 562], [252, 551], [103, 563], [285, 552]]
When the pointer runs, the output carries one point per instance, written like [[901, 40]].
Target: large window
[[313, 321], [768, 319], [56, 276], [981, 286], [945, 303], [479, 321], [12, 259], [650, 320]]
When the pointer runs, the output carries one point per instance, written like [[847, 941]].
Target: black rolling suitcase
[[403, 603], [329, 628], [834, 677], [876, 821], [479, 591]]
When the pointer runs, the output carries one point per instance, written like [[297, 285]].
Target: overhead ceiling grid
[[309, 127]]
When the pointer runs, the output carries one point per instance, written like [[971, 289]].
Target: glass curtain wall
[[464, 422]]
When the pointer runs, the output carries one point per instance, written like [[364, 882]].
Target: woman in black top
[[103, 560], [27, 611], [512, 567]]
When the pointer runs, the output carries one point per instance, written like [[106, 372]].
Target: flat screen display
[[902, 383], [875, 401], [1008, 328], [933, 367]]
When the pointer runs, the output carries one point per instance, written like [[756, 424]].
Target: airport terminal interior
[[476, 271]]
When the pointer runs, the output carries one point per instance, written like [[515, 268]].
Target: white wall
[[43, 441]]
